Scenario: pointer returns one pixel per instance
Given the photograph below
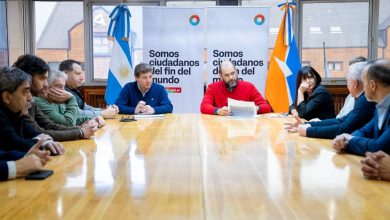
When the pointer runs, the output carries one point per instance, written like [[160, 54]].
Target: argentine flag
[[121, 65]]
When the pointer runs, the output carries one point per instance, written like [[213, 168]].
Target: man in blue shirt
[[143, 96], [375, 135]]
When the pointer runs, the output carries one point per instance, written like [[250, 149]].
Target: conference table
[[194, 166]]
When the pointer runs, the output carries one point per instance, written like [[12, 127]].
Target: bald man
[[375, 135], [215, 100]]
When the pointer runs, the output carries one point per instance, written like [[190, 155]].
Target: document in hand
[[242, 108], [137, 117]]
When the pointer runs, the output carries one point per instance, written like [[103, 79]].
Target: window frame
[[297, 21], [377, 37], [6, 31], [88, 34], [372, 38]]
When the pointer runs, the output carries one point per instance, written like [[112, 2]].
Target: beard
[[231, 84], [35, 92], [38, 92]]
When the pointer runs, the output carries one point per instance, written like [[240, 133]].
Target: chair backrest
[[339, 94], [94, 96]]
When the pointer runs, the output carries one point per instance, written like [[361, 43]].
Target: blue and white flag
[[121, 65]]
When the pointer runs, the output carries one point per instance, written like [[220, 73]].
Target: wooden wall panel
[[94, 95]]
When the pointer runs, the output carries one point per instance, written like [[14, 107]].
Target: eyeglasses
[[127, 118]]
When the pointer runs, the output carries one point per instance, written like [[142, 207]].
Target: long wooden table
[[192, 166]]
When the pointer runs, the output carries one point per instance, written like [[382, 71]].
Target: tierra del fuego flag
[[280, 89], [121, 65]]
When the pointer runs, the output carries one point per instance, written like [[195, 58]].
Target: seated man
[[361, 114], [75, 79], [16, 133], [143, 96], [375, 135], [62, 113], [376, 166], [215, 100], [19, 164], [350, 101], [38, 70]]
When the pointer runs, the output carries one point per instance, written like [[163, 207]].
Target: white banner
[[173, 46], [241, 35]]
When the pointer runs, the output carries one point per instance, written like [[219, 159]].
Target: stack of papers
[[137, 117], [242, 108]]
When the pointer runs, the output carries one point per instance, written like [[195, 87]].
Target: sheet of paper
[[242, 108], [158, 116]]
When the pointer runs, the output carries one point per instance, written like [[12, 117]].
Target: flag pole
[[326, 69]]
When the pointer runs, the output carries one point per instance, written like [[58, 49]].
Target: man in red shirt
[[215, 100]]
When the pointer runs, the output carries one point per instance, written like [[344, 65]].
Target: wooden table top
[[192, 166]]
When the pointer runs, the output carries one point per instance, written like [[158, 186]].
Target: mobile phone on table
[[127, 118], [39, 175]]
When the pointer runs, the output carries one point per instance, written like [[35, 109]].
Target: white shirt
[[347, 107], [11, 169]]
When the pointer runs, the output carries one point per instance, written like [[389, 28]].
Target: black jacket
[[318, 105], [16, 133], [79, 97]]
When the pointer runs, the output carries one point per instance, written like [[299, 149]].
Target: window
[[335, 66], [54, 65], [3, 35], [338, 31], [339, 28], [102, 47], [384, 30], [59, 31]]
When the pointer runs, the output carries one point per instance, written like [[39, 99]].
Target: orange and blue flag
[[280, 89]]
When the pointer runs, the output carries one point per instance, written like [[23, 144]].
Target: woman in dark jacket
[[313, 100]]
